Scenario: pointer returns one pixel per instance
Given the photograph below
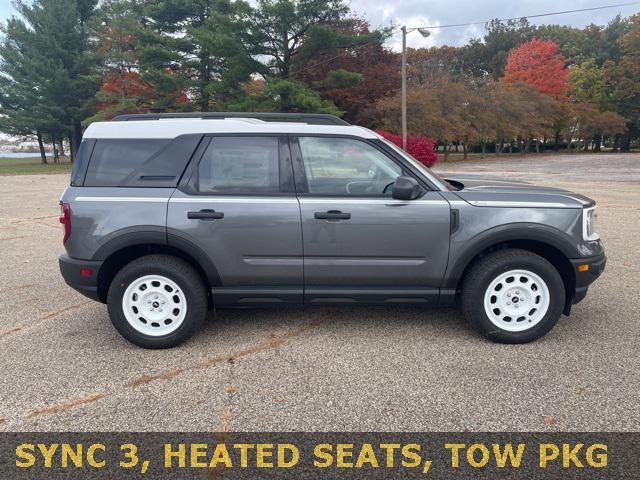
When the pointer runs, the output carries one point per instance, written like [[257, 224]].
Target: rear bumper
[[584, 279], [72, 271]]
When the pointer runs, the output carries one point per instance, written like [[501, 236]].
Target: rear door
[[237, 204], [359, 243]]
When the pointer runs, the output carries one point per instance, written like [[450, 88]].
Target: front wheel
[[157, 301], [513, 296]]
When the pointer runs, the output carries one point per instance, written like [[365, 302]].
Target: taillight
[[65, 219]]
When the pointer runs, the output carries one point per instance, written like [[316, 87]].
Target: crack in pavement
[[227, 412], [18, 328], [9, 331], [269, 344], [55, 313], [225, 423], [61, 407]]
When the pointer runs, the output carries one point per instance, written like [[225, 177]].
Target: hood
[[497, 192]]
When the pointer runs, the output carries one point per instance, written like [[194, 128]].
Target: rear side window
[[81, 161], [240, 165], [114, 160]]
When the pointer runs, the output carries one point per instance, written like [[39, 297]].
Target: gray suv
[[170, 215]]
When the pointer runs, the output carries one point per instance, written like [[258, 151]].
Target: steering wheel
[[384, 190], [358, 182]]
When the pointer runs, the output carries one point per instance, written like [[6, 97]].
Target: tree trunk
[[597, 143], [465, 149], [446, 152], [204, 80], [556, 141], [56, 158], [483, 148], [537, 146], [43, 155], [626, 143], [61, 144]]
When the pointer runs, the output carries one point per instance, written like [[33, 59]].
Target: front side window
[[240, 165], [346, 167]]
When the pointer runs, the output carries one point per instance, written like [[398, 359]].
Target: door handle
[[332, 215], [205, 214]]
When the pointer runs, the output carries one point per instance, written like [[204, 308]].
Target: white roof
[[171, 128]]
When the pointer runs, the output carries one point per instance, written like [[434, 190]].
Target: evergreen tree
[[289, 35], [50, 80], [198, 45]]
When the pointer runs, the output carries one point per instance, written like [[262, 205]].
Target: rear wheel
[[157, 301], [513, 296]]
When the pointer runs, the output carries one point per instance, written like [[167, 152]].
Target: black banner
[[336, 455]]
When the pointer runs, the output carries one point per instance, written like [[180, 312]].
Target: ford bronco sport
[[170, 215]]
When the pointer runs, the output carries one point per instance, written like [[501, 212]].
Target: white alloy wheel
[[154, 305], [516, 300]]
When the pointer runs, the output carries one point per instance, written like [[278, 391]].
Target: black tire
[[174, 269], [488, 268]]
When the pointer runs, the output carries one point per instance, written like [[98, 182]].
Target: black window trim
[[300, 176], [174, 178], [189, 182], [155, 154], [83, 166]]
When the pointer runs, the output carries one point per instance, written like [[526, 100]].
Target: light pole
[[425, 33]]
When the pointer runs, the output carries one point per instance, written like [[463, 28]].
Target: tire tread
[[195, 291], [475, 283]]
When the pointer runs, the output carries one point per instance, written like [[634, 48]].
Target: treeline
[[526, 88], [66, 63]]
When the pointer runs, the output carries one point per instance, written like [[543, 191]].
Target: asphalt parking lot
[[63, 367]]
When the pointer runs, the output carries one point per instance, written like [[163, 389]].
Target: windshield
[[434, 177]]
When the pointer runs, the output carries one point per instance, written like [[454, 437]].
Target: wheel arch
[[550, 243], [122, 250]]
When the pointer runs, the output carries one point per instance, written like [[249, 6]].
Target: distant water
[[19, 154]]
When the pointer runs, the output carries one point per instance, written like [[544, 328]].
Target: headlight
[[588, 224]]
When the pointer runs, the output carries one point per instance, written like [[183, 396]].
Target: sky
[[416, 13]]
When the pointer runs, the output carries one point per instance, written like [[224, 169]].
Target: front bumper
[[76, 274], [585, 278]]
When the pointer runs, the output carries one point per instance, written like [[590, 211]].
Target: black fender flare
[[130, 237], [543, 234], [159, 236]]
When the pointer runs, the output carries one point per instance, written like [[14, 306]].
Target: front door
[[359, 243], [239, 207]]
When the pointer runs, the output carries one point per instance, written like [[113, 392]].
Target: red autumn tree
[[540, 64], [126, 92], [126, 84], [377, 65], [420, 148]]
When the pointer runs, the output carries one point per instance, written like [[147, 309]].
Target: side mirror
[[405, 188]]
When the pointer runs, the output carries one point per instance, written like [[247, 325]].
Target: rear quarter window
[[81, 161], [114, 160], [140, 162]]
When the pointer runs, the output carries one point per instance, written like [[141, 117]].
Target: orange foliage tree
[[539, 63], [127, 92]]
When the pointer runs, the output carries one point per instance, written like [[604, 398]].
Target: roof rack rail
[[310, 118]]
